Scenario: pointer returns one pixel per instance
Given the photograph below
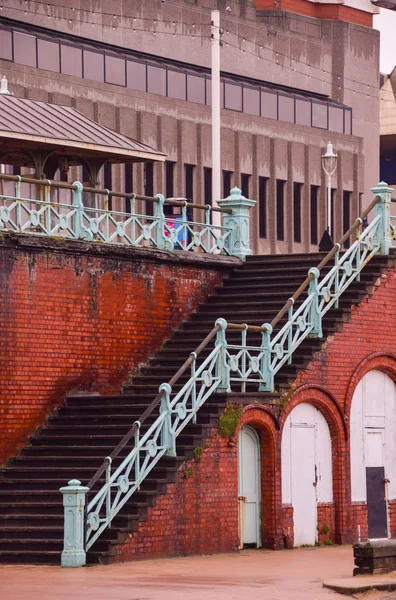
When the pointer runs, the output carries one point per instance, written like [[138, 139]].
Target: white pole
[[216, 173], [329, 204]]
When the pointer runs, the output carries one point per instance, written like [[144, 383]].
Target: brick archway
[[264, 422], [323, 400], [379, 361]]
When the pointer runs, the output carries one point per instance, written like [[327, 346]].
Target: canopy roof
[[27, 126]]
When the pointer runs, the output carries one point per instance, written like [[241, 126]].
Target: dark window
[[348, 121], [314, 213], [25, 51], [227, 183], [87, 198], [303, 112], [280, 210], [245, 185], [107, 181], [156, 80], [208, 186], [48, 55], [262, 192], [233, 96], [336, 119], [286, 108], [16, 170], [169, 184], [196, 89], [136, 76], [319, 115], [128, 184], [297, 188], [6, 44], [71, 60], [176, 85], [148, 173], [93, 65], [251, 101], [115, 70], [269, 105], [346, 214], [189, 187]]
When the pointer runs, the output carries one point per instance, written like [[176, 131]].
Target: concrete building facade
[[291, 81]]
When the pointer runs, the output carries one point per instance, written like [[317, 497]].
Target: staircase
[[78, 436]]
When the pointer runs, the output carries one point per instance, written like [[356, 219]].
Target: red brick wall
[[326, 522], [288, 525], [359, 525], [199, 513], [72, 318]]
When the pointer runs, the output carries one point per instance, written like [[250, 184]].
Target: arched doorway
[[306, 469], [249, 487], [373, 449]]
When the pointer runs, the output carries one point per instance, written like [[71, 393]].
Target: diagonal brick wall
[[74, 316]]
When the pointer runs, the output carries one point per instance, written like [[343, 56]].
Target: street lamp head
[[329, 160]]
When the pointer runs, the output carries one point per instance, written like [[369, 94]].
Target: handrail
[[154, 404], [105, 192], [310, 277]]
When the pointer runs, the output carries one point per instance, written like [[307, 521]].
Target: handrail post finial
[[383, 234], [239, 242]]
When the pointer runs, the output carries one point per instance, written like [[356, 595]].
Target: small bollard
[[73, 554]]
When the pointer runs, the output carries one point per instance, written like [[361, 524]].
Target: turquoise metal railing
[[67, 216], [226, 365]]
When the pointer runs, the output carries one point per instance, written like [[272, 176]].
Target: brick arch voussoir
[[325, 402], [385, 362], [259, 417]]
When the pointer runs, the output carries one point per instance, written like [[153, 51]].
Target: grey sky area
[[386, 23]]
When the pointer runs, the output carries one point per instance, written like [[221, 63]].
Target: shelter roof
[[64, 131]]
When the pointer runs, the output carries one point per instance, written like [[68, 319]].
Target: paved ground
[[248, 575]]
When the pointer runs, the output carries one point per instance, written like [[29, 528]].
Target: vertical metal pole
[[216, 187], [329, 224]]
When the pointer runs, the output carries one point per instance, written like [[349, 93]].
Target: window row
[[297, 210], [118, 69]]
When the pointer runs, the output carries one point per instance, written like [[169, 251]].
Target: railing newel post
[[382, 236], [222, 367], [238, 244], [159, 213], [168, 439], [314, 312], [19, 204], [73, 554], [266, 368], [290, 332]]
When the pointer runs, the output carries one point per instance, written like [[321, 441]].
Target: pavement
[[248, 575]]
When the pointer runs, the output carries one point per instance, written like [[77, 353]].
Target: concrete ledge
[[361, 583]]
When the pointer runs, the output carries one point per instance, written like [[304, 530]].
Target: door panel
[[376, 503], [249, 486], [303, 488]]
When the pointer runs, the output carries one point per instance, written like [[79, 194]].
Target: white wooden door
[[304, 484], [306, 469], [249, 487]]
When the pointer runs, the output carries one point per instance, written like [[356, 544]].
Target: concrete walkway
[[248, 575]]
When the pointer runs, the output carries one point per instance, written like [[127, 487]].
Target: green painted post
[[168, 439], [222, 368], [314, 312], [162, 241], [81, 232], [382, 208], [238, 244], [265, 367], [73, 554]]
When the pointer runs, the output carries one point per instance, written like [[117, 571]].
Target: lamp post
[[329, 164]]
